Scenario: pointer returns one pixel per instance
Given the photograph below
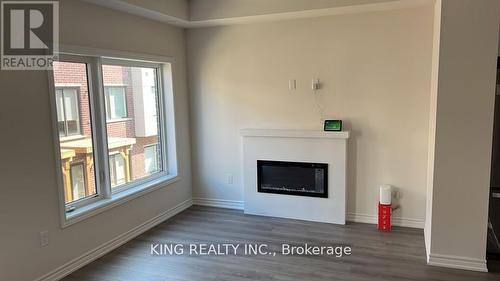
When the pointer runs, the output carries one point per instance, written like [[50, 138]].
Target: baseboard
[[353, 217], [227, 204], [458, 262], [397, 221], [107, 247]]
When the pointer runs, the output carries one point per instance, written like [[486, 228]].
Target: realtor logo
[[29, 34]]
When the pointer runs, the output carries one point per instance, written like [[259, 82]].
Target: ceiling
[[203, 13]]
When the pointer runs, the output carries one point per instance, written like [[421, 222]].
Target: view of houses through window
[[133, 131]]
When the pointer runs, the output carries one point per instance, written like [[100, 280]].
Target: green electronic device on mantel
[[333, 125]]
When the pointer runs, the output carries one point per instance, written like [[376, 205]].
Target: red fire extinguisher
[[385, 208], [384, 217]]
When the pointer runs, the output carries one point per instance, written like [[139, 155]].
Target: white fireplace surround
[[296, 146]]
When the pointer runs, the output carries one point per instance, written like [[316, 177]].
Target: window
[[76, 154], [151, 159], [78, 181], [117, 170], [144, 127], [68, 116], [116, 102], [105, 162]]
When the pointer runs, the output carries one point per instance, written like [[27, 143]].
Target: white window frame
[[105, 198], [163, 143], [92, 87]]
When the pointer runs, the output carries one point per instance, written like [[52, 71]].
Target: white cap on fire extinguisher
[[385, 194]]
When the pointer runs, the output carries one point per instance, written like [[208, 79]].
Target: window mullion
[[99, 113], [162, 119], [63, 103]]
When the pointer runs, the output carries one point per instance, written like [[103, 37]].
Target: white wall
[[154, 8], [28, 201], [175, 8], [213, 9], [375, 70], [464, 104]]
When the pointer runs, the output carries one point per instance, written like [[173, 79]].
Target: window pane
[[112, 173], [137, 99], [117, 103], [117, 170], [60, 113], [71, 111], [73, 116], [151, 159], [78, 181], [120, 169]]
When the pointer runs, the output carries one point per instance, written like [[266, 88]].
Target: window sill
[[118, 199], [108, 121]]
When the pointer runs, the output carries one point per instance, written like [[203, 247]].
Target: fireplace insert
[[292, 178]]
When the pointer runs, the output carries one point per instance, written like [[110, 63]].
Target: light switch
[[44, 238], [229, 178]]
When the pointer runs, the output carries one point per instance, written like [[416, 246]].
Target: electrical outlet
[[315, 84], [229, 178], [44, 238]]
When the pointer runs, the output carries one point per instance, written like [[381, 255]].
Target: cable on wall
[[317, 101]]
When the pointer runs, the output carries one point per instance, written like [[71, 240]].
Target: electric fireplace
[[292, 178]]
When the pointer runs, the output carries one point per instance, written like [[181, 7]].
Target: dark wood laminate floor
[[399, 255]]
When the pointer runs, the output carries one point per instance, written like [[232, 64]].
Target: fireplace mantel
[[293, 133], [296, 146]]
